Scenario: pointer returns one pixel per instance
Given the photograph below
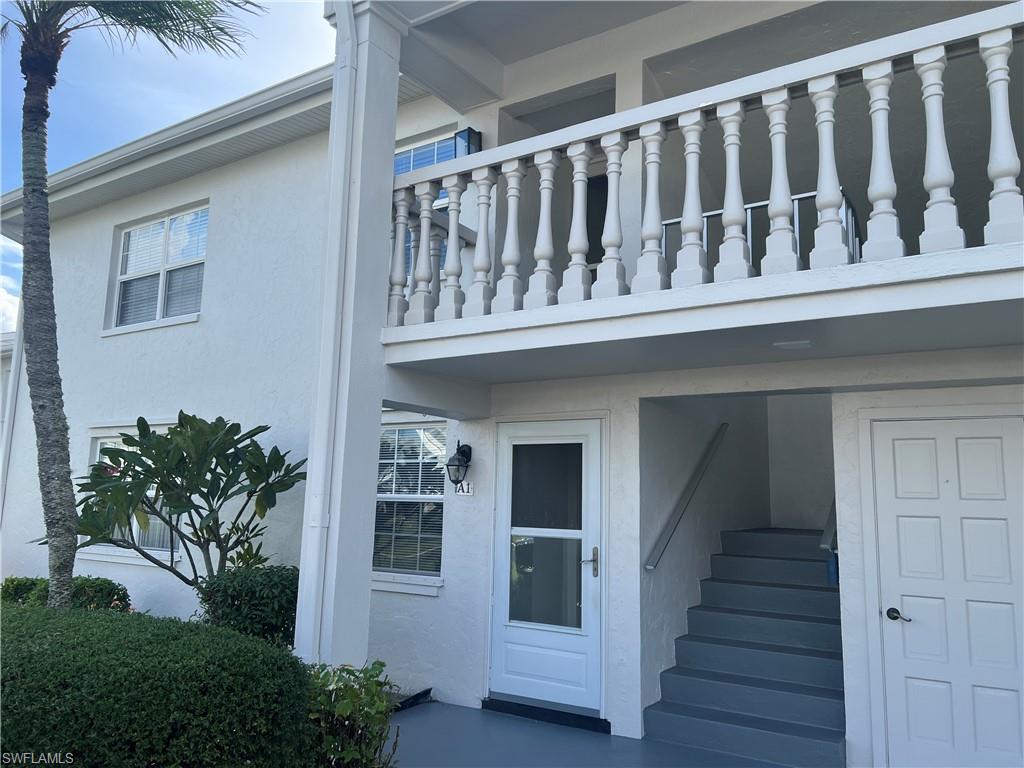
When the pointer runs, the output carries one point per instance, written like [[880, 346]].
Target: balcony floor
[[439, 735]]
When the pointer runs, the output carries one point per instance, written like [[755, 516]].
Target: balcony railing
[[428, 295]]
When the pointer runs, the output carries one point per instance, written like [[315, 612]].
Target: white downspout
[[10, 409], [310, 609]]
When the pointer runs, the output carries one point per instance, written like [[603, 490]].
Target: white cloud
[[10, 283]]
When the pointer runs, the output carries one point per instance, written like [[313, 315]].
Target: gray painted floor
[[438, 735]]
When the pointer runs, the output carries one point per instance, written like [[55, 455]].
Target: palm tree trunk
[[39, 331]]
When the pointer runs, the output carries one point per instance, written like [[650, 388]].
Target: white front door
[[546, 620], [949, 505]]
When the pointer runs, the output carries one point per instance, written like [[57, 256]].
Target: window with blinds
[[158, 534], [410, 493], [160, 272]]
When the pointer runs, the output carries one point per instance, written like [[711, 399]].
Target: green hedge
[[254, 601], [90, 592], [129, 690]]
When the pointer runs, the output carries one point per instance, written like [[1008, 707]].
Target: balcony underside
[[967, 298]]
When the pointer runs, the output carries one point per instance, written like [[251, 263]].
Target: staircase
[[760, 674]]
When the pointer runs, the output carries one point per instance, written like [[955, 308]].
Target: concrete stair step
[[806, 666], [770, 570], [766, 627], [791, 744], [775, 542], [802, 600], [810, 705]]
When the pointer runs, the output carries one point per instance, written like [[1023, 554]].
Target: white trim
[[164, 322], [10, 411], [406, 583], [105, 553]]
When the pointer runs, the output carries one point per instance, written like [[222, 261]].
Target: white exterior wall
[[733, 495], [249, 357], [802, 478]]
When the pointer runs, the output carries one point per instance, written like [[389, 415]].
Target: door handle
[[893, 614], [594, 559]]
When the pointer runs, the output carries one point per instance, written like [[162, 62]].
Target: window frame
[[161, 318], [416, 581]]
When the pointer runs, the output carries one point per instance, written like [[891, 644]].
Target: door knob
[[593, 560], [893, 614]]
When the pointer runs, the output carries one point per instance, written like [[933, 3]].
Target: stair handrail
[[828, 536], [669, 529]]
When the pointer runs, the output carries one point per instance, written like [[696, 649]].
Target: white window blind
[[161, 269], [158, 534], [410, 493]]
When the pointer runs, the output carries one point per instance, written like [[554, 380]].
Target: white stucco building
[[580, 238]]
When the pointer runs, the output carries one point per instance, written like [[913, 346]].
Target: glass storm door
[[546, 623]]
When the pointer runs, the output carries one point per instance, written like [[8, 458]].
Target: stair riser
[[751, 700], [775, 599], [740, 740], [812, 573], [759, 629], [793, 668], [773, 545]]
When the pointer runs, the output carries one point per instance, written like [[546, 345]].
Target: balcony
[[858, 242]]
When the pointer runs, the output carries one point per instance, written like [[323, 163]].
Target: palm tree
[[46, 28]]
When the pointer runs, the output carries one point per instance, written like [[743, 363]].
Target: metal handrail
[[684, 499], [828, 536]]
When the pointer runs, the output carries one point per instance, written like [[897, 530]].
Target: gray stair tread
[[772, 557], [758, 682], [766, 615], [784, 531], [793, 650], [811, 587], [799, 730]]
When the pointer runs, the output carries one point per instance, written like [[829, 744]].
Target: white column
[[942, 230], [611, 274], [884, 241], [509, 293], [691, 258], [437, 236], [542, 289], [452, 297], [734, 255], [830, 243], [421, 303], [409, 264], [576, 277], [780, 254], [478, 300], [397, 305], [651, 271], [333, 614], [1005, 205]]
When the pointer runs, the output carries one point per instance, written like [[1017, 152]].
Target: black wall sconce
[[458, 463]]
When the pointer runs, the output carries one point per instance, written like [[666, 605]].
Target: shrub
[[351, 710], [119, 690], [91, 592], [254, 601]]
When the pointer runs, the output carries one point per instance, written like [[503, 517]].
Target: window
[[157, 535], [465, 142], [410, 493], [160, 268]]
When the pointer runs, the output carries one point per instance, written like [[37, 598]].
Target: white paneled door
[[546, 624], [949, 505]]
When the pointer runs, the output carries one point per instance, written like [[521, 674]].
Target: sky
[[107, 96]]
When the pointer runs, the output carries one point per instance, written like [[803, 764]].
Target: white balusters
[[542, 289], [436, 242], [478, 300], [830, 243], [651, 271], [452, 297], [1005, 205], [611, 274], [691, 258], [884, 241], [421, 303], [576, 277], [509, 292], [734, 254], [397, 304], [780, 253], [942, 230]]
